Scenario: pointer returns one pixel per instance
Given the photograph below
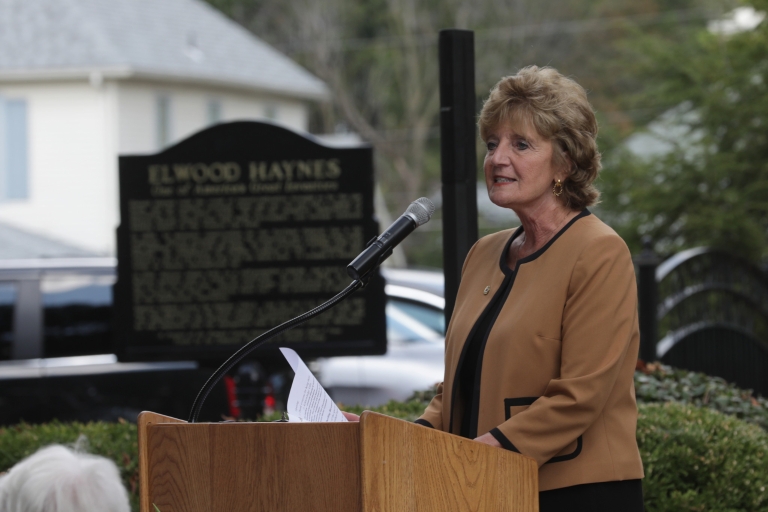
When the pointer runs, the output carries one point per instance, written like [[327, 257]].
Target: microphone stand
[[377, 250], [263, 338]]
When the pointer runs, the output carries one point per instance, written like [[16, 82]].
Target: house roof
[[156, 39], [16, 244]]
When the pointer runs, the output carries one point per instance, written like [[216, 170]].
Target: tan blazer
[[558, 365]]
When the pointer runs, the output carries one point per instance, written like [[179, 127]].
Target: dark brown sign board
[[235, 230]]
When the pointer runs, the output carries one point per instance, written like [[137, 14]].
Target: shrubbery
[[660, 383], [699, 459], [695, 458]]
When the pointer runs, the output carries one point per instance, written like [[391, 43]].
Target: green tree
[[707, 183], [379, 58]]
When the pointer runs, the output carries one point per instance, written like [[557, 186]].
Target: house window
[[270, 111], [14, 149], [164, 128], [214, 111]]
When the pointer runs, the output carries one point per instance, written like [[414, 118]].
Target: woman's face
[[519, 169]]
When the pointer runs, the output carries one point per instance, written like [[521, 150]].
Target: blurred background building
[[83, 81]]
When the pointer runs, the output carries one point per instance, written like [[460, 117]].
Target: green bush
[[408, 410], [656, 383], [701, 460], [695, 458]]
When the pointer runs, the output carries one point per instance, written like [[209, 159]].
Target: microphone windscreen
[[420, 210]]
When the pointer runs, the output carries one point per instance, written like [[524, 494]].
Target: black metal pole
[[457, 155], [647, 301]]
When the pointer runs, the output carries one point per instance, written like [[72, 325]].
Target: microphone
[[380, 248]]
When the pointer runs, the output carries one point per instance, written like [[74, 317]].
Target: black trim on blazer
[[423, 423], [528, 400], [503, 441], [568, 456], [517, 402], [475, 413], [464, 349], [463, 355], [503, 259]]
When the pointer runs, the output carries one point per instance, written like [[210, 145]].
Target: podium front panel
[[253, 467], [410, 468]]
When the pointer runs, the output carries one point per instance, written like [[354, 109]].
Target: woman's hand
[[488, 439], [351, 416]]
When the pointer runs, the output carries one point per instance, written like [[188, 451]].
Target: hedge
[[698, 459], [696, 456], [656, 383]]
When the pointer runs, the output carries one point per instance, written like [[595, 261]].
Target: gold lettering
[[225, 189], [232, 171], [198, 172], [285, 170], [266, 188], [288, 166], [333, 171], [319, 169], [216, 172], [155, 172], [304, 171], [181, 171], [159, 190], [312, 186], [257, 169], [275, 172], [165, 176]]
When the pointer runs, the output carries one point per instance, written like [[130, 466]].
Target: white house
[[83, 81]]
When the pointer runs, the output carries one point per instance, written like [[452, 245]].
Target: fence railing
[[705, 310]]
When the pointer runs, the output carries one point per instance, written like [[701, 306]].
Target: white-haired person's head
[[58, 479]]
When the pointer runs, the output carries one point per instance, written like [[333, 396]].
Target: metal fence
[[706, 310]]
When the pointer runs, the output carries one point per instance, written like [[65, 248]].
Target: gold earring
[[558, 188]]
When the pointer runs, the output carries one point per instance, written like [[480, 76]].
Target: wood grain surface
[[411, 468], [146, 419], [379, 465], [254, 467]]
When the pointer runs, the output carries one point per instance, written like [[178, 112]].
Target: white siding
[[136, 119], [78, 130], [71, 193], [190, 112]]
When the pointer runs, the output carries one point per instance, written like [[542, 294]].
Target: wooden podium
[[381, 464]]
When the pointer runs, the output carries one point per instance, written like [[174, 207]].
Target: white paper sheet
[[308, 401]]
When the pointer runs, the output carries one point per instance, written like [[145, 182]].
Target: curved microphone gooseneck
[[260, 340], [377, 250]]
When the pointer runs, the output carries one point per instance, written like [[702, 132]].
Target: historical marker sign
[[235, 230]]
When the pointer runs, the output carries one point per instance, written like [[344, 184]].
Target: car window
[[403, 328], [427, 315], [77, 314], [7, 299]]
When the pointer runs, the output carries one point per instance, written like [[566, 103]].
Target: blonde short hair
[[557, 108]]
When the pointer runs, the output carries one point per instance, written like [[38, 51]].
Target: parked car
[[55, 307], [55, 324], [55, 321], [415, 346]]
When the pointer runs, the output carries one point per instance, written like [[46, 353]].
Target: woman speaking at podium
[[542, 346]]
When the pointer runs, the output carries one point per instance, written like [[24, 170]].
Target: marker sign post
[[235, 230]]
